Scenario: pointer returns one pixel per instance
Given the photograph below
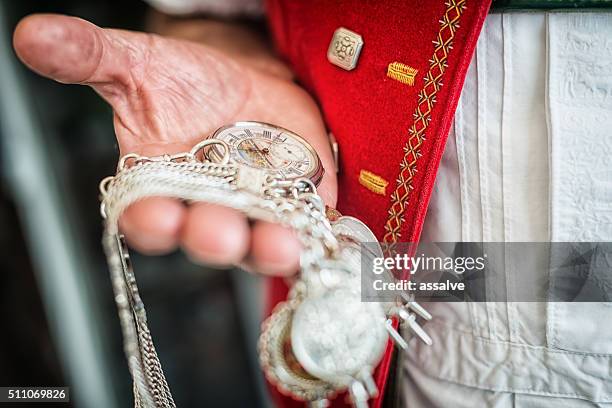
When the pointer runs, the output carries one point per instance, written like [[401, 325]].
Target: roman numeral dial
[[271, 148]]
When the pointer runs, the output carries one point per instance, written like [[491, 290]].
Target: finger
[[68, 49], [141, 76], [153, 225], [215, 235], [275, 250]]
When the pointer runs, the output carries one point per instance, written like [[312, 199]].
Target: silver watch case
[[335, 335], [216, 153]]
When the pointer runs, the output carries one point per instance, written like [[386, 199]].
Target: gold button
[[402, 73], [344, 48], [372, 182]]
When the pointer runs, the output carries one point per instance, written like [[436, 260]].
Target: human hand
[[167, 95]]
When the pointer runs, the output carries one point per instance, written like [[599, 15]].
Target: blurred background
[[58, 319]]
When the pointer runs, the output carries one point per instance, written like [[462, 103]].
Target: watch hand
[[264, 150], [259, 155]]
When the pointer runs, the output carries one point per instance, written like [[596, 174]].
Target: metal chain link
[[293, 203]]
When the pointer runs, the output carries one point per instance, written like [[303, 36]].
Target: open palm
[[167, 95]]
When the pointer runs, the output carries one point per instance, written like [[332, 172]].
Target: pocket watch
[[324, 339], [267, 147]]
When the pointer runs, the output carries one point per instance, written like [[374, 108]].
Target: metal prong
[[397, 338], [410, 320], [366, 377], [359, 395], [418, 309], [322, 403]]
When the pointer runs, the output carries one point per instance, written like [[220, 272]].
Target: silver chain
[[292, 203], [317, 318]]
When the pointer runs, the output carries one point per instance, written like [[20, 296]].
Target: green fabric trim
[[550, 4]]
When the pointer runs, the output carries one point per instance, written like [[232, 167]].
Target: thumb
[[72, 50]]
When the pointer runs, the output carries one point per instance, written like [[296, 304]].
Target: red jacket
[[391, 133]]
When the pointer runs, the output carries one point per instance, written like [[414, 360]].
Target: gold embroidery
[[402, 73], [372, 182], [422, 116]]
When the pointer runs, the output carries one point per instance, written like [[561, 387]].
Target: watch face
[[270, 148]]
